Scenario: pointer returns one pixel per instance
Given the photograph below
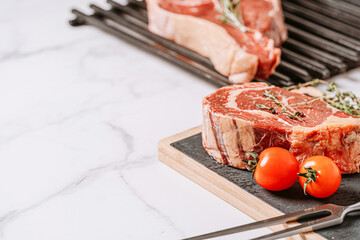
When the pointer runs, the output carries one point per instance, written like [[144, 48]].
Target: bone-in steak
[[254, 116], [242, 56], [265, 16]]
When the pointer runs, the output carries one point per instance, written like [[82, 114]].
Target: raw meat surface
[[193, 24], [265, 16], [233, 123]]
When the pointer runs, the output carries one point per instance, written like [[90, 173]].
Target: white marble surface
[[81, 115]]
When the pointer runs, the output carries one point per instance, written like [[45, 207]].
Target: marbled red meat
[[192, 7], [265, 16], [239, 55], [234, 123]]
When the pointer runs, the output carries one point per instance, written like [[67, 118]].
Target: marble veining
[[81, 115]]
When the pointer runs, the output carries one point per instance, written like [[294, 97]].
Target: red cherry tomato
[[325, 173], [277, 169]]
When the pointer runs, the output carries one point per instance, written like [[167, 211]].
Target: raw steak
[[265, 16], [193, 24], [237, 118]]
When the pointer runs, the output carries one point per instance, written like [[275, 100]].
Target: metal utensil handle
[[354, 207]]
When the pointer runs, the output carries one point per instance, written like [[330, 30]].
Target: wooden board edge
[[221, 187]]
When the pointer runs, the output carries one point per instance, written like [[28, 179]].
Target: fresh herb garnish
[[271, 109], [304, 103], [312, 83], [231, 15], [251, 164], [270, 96], [297, 114], [344, 101], [310, 176]]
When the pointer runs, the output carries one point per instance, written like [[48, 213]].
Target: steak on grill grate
[[239, 55], [265, 16], [233, 123]]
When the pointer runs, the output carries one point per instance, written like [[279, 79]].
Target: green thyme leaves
[[346, 102], [294, 115], [231, 15]]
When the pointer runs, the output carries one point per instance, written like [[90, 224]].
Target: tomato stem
[[251, 164], [310, 175]]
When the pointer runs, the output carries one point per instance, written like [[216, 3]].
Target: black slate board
[[289, 200]]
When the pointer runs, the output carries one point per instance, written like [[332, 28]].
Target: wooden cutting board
[[184, 153]]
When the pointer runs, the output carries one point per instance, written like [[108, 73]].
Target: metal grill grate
[[324, 39]]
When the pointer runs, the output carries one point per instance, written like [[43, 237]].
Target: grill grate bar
[[341, 6], [142, 30], [312, 49], [280, 79], [334, 14], [325, 21], [335, 64], [317, 69], [351, 57], [296, 73], [140, 4], [321, 31], [192, 66], [354, 2], [129, 10]]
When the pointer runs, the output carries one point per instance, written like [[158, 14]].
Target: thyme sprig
[[346, 102], [251, 164], [270, 96], [305, 103], [271, 109], [310, 176], [312, 83], [231, 15]]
